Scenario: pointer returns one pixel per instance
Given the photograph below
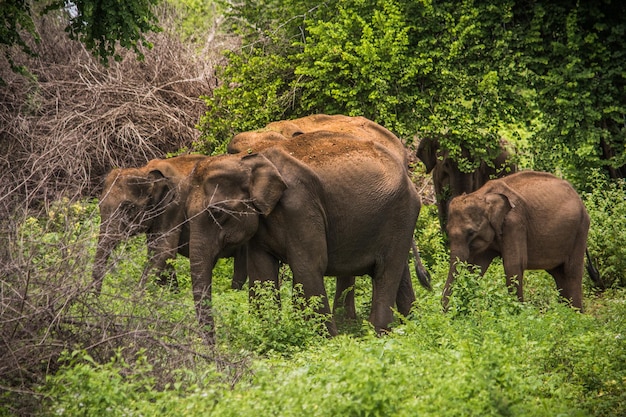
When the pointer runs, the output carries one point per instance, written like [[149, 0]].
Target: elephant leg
[[569, 285], [240, 269], [514, 278], [312, 280], [201, 265], [406, 295], [515, 256], [161, 248], [385, 286], [344, 296], [262, 267]]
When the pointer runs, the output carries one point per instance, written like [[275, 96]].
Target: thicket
[[73, 120], [466, 72]]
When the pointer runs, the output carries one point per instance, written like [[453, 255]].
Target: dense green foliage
[[468, 72], [490, 356], [607, 206], [102, 25], [576, 52]]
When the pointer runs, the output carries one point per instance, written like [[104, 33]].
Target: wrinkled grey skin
[[149, 200], [449, 181], [533, 220], [359, 128], [324, 203]]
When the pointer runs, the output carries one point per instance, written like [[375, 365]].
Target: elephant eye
[[220, 213]]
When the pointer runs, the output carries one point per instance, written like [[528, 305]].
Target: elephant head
[[134, 200], [229, 195], [448, 179]]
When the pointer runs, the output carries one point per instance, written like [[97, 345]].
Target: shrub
[[48, 307], [606, 204], [272, 326]]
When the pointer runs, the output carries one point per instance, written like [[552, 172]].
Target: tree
[[467, 72], [414, 67], [99, 24], [576, 52]]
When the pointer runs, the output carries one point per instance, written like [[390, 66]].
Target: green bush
[[271, 326], [606, 205], [256, 92]]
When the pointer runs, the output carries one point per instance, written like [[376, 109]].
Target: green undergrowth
[[489, 355], [139, 351]]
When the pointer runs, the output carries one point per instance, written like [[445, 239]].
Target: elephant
[[449, 181], [324, 202], [360, 128], [150, 200], [533, 220]]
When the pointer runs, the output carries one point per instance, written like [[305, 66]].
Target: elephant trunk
[[456, 255], [106, 244], [422, 273]]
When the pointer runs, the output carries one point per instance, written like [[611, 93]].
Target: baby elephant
[[533, 220]]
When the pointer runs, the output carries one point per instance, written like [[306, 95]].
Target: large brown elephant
[[533, 220], [324, 203], [150, 200], [449, 181], [360, 128]]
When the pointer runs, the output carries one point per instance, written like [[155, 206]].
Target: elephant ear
[[266, 184], [498, 207], [500, 199], [147, 189], [427, 152], [162, 188]]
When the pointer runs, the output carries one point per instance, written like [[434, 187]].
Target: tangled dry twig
[[60, 133]]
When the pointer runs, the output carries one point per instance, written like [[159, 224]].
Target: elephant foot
[[332, 328], [170, 281]]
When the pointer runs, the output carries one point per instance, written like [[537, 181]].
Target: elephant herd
[[332, 196]]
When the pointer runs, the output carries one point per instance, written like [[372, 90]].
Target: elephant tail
[[422, 274], [593, 272]]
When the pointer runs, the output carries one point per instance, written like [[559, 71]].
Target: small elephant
[[324, 203], [449, 181], [360, 128], [150, 200], [533, 220]]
